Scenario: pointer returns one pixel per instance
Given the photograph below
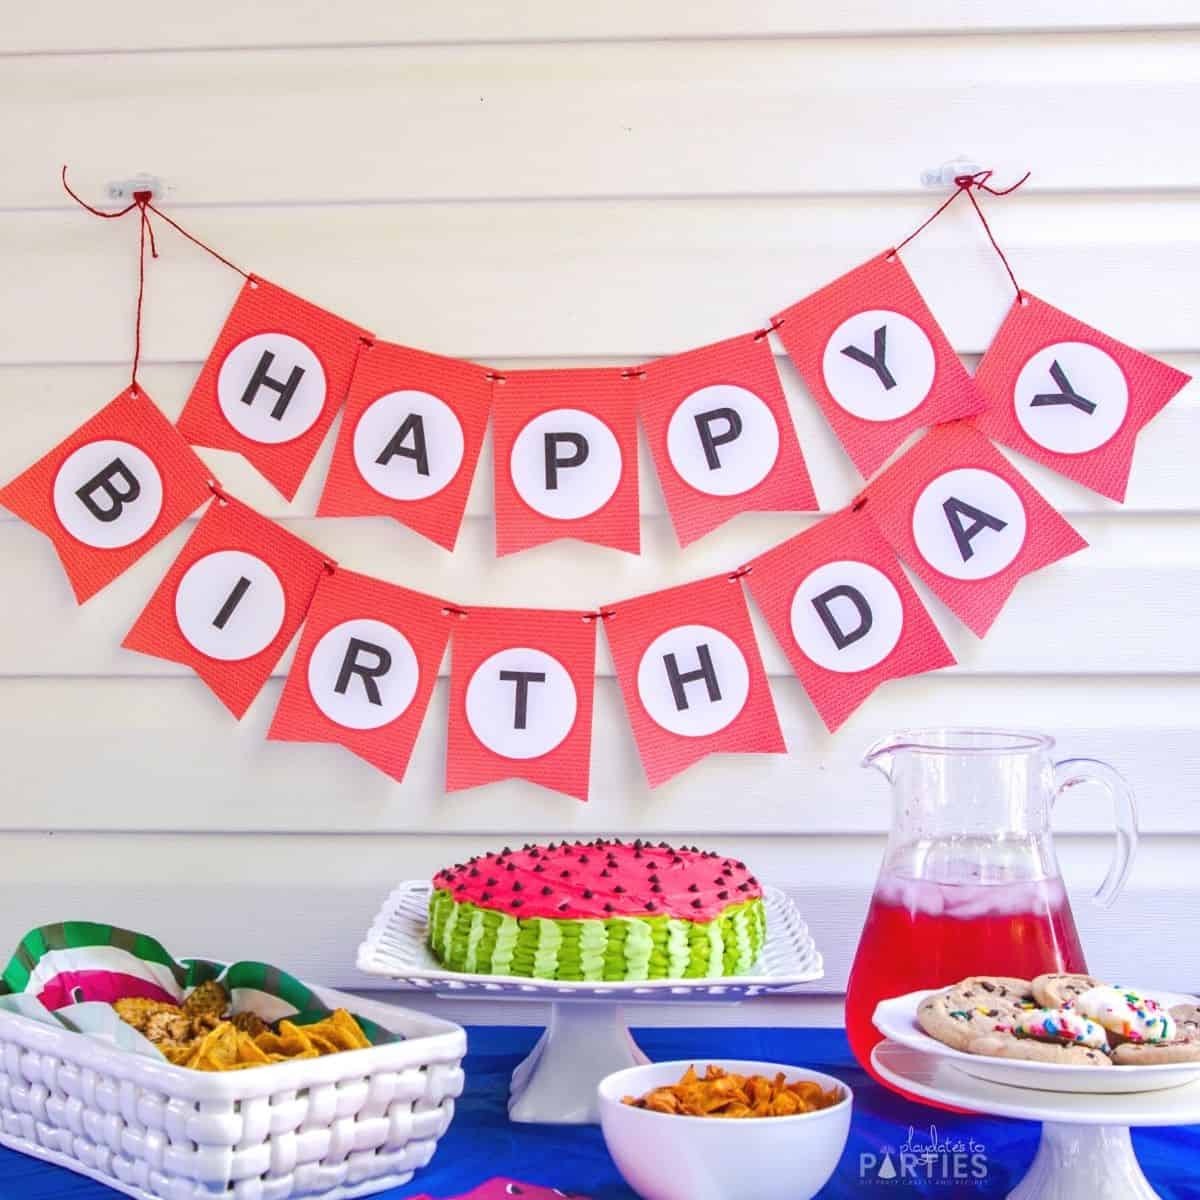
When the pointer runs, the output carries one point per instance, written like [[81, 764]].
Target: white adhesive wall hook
[[122, 190], [945, 175]]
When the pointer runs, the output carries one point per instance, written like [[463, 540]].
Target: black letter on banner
[[709, 440], [232, 601], [842, 639], [368, 674], [102, 481], [1066, 394], [415, 425], [261, 379], [522, 679], [874, 361], [956, 509], [553, 462], [679, 681]]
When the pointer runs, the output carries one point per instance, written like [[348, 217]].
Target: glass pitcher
[[970, 883]]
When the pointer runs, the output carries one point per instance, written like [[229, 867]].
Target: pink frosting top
[[600, 879]]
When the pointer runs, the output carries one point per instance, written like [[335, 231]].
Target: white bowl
[[664, 1157]]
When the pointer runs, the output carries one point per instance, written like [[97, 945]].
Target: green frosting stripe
[[483, 941]]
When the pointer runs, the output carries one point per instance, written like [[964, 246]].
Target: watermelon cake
[[602, 910]]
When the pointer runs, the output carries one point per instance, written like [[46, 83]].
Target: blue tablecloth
[[482, 1142]]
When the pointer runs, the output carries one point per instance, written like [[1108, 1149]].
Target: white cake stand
[[1086, 1152], [586, 1037]]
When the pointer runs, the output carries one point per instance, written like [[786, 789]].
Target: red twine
[[969, 184], [141, 201]]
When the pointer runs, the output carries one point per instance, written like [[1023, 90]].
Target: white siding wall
[[573, 185]]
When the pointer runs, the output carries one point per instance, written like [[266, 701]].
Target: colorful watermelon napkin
[[74, 963]]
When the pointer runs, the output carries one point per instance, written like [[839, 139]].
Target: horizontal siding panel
[[1088, 111], [625, 280], [1164, 478], [124, 754], [211, 896], [144, 25], [1127, 604]]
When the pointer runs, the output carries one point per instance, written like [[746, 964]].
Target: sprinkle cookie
[[1128, 1016], [1187, 1022], [976, 1006], [1001, 1045], [1155, 1054], [1057, 991], [1064, 1025]]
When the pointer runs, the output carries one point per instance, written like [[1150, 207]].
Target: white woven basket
[[344, 1125]]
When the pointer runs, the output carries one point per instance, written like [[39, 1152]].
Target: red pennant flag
[[231, 602], [691, 675], [967, 521], [112, 490], [566, 458], [521, 683], [1070, 397], [875, 360], [409, 440], [721, 435], [844, 613], [273, 382], [365, 669]]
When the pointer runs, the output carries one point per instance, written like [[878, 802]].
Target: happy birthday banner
[[836, 598]]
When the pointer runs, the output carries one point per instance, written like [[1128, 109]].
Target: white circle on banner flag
[[693, 680], [566, 464], [969, 523], [271, 388], [363, 674], [108, 494], [230, 605], [521, 703], [408, 445], [723, 440], [889, 369], [847, 616], [1071, 397]]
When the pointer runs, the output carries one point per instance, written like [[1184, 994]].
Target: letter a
[[412, 424], [955, 510]]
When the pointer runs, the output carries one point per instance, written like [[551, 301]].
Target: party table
[[897, 1148]]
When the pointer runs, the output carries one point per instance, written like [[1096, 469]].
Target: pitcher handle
[[1073, 771]]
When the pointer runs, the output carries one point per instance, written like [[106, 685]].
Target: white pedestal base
[[584, 1041], [1084, 1162]]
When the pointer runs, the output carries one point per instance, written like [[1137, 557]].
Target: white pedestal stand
[[1085, 1153], [583, 1042]]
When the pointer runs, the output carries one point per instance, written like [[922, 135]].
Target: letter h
[[679, 680], [261, 379]]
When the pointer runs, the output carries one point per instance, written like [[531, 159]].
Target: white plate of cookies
[[1057, 1033]]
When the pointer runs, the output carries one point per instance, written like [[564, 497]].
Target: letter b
[[105, 484]]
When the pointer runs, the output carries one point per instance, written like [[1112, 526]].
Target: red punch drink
[[921, 933]]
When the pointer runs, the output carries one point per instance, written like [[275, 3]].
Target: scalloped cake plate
[[896, 1019], [395, 948]]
